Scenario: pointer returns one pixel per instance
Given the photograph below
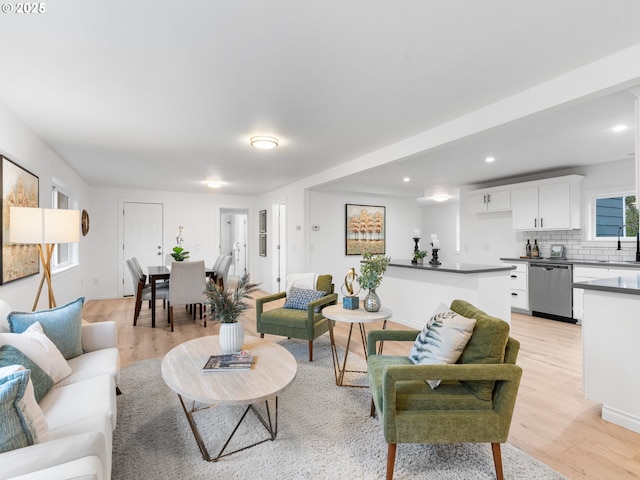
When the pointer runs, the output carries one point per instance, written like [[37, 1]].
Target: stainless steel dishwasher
[[551, 291]]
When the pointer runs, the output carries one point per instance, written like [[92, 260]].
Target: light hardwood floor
[[552, 420]]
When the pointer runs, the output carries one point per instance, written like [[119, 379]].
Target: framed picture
[[365, 229], [20, 188], [263, 221], [263, 245]]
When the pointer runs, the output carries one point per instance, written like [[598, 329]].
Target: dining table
[[162, 273]]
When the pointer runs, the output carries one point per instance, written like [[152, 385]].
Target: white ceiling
[[157, 95]]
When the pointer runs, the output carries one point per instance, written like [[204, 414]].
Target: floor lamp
[[44, 227]]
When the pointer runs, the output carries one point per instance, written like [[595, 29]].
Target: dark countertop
[[463, 268], [587, 263], [627, 284]]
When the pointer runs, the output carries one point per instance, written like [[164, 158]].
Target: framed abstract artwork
[[365, 229], [263, 245], [20, 188], [263, 221]]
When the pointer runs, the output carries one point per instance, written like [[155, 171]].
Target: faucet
[[637, 241]]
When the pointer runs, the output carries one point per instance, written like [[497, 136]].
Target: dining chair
[[223, 271], [143, 290], [186, 287]]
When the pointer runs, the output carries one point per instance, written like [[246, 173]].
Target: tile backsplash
[[574, 248]]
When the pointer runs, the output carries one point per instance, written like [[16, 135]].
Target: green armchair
[[473, 404], [303, 324]]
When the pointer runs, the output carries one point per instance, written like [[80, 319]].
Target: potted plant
[[419, 256], [179, 254], [371, 271], [227, 305]]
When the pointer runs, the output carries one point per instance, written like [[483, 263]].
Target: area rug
[[324, 432]]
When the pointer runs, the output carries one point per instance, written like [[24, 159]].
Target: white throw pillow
[[33, 414], [442, 339], [42, 351]]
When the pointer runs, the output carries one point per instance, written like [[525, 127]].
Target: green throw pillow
[[63, 326], [42, 382], [15, 432], [487, 344]]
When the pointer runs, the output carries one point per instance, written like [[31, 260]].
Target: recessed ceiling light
[[264, 143], [489, 159], [406, 179], [619, 128], [216, 184]]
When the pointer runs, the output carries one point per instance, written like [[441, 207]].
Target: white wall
[[23, 147], [198, 213], [326, 246], [442, 220]]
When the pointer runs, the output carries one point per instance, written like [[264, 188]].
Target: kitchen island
[[610, 333], [413, 291]]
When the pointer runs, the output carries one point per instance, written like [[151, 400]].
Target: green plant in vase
[[227, 304], [419, 255], [371, 271], [179, 254]]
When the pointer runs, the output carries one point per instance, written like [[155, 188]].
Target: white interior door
[[142, 237], [233, 239]]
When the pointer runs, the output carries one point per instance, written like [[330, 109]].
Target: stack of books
[[229, 362]]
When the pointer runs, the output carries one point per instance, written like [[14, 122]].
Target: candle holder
[[416, 248], [434, 257]]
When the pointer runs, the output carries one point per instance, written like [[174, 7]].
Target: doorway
[[233, 239], [142, 238]]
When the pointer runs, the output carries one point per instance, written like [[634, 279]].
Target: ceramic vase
[[372, 301], [231, 337]]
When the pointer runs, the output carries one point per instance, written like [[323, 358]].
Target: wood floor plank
[[552, 420]]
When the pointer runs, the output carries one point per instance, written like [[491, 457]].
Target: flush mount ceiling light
[[215, 184], [264, 143], [441, 197], [406, 179], [489, 159], [619, 128]]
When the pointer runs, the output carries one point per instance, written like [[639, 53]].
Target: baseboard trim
[[623, 419]]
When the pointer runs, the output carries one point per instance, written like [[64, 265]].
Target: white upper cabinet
[[547, 204], [490, 201]]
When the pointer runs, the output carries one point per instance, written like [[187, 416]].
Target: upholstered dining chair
[[141, 289], [186, 287], [216, 264], [474, 402], [303, 319]]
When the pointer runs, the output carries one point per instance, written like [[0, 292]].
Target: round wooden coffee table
[[273, 370], [361, 317]]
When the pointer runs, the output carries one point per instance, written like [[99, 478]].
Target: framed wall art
[[263, 221], [20, 188], [263, 245], [365, 229]]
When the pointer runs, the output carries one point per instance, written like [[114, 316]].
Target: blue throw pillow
[[42, 382], [63, 326], [15, 432], [299, 298]]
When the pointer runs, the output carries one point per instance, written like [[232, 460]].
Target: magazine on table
[[229, 361]]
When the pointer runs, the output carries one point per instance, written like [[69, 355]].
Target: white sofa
[[80, 411]]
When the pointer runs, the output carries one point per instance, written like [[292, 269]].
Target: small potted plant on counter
[[419, 256]]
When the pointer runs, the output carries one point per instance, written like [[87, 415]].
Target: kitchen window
[[616, 215]]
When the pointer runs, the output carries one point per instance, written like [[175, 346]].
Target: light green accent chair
[[473, 404], [303, 324]]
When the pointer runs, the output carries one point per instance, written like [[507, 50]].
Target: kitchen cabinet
[[519, 287], [547, 205], [493, 201], [585, 274]]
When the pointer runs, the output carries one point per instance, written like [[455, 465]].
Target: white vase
[[231, 337]]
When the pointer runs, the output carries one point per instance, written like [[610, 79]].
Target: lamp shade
[[26, 225], [43, 225], [61, 226]]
